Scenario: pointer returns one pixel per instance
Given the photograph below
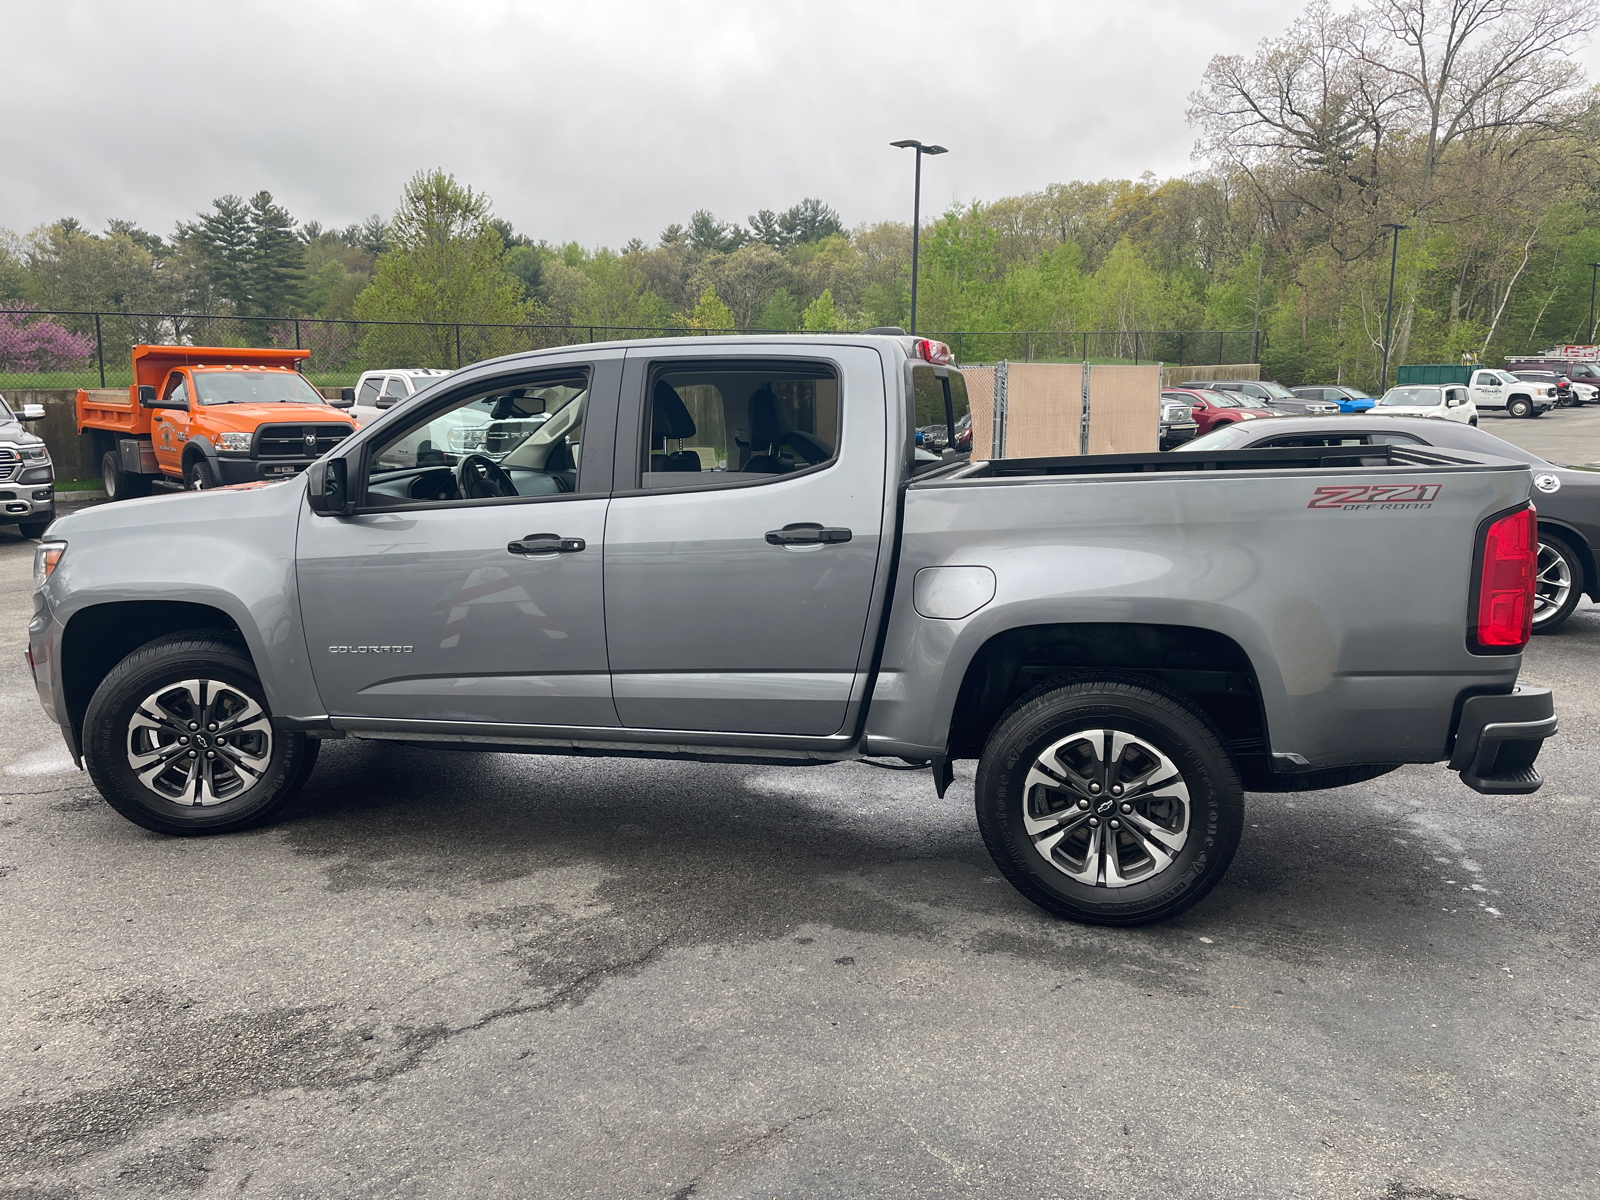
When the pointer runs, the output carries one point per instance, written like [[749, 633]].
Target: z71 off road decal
[[1375, 496]]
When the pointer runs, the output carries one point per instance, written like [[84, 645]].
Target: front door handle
[[546, 543], [806, 533]]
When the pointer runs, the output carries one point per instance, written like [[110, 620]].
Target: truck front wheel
[[200, 476], [1109, 801], [178, 738], [120, 484], [1518, 406]]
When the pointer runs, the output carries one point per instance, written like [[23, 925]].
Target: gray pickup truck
[[732, 550]]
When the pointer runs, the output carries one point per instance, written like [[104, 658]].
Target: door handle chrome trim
[[546, 543], [805, 533]]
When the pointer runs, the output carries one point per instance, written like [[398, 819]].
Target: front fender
[[233, 551]]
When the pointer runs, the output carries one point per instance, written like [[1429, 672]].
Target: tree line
[[1465, 121]]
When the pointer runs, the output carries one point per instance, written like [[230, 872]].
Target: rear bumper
[[1499, 737], [252, 470]]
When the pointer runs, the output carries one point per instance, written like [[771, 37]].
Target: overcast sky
[[599, 120]]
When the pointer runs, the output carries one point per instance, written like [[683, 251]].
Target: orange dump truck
[[207, 416]]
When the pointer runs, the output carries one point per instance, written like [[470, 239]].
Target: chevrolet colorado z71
[[731, 549]]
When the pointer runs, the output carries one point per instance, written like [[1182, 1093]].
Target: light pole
[[1593, 269], [1388, 319], [916, 213]]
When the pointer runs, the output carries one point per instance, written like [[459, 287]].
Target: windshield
[[1413, 397], [1229, 437], [5, 411], [254, 387], [1503, 377], [1353, 394], [1277, 391]]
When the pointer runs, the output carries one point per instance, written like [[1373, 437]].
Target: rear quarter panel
[[1353, 616]]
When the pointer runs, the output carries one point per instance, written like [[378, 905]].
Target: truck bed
[[1285, 458]]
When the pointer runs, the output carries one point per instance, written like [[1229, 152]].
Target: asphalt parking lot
[[451, 975]]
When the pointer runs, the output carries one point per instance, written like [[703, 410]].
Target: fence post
[[297, 333], [1083, 422], [100, 349], [1085, 345], [959, 358], [458, 346], [1255, 345], [1136, 347], [1027, 347], [1180, 349], [1219, 349], [997, 439]]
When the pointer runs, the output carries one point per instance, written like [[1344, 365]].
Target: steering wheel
[[479, 477]]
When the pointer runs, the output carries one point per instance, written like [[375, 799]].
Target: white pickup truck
[[1501, 391]]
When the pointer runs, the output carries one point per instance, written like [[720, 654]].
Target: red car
[[1212, 409]]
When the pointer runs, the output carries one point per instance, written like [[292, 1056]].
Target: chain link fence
[[42, 349]]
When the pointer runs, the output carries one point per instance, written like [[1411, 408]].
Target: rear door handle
[[546, 543], [806, 533]]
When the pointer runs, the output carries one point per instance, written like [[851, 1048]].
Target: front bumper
[[253, 470], [27, 502], [1499, 737], [1177, 435]]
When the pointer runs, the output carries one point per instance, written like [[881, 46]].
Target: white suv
[[377, 391]]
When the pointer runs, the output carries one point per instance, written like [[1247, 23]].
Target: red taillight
[[934, 352], [1505, 581]]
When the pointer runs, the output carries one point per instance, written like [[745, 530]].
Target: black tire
[[199, 475], [1157, 720], [1518, 406], [1556, 557], [33, 529], [120, 484], [1473, 422], [241, 797]]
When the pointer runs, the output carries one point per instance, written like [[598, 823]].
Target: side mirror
[[348, 394], [31, 412], [385, 402], [344, 401], [147, 396], [328, 487]]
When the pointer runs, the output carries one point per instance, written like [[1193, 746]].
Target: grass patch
[[78, 485]]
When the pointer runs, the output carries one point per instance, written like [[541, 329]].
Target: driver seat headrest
[[670, 417]]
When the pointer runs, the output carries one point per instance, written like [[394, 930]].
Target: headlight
[[45, 557], [33, 454], [235, 441]]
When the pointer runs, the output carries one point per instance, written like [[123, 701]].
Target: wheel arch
[[1209, 668], [98, 637]]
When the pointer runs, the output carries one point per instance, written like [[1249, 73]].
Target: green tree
[[276, 260], [819, 316], [709, 313], [444, 267], [781, 312]]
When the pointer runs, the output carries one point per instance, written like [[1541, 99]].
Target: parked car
[[1491, 390], [1211, 409], [1274, 395], [204, 416], [1349, 399], [376, 392], [932, 437], [1567, 497], [1125, 643], [27, 476], [1177, 422], [1582, 372], [1442, 403], [1562, 385], [964, 432]]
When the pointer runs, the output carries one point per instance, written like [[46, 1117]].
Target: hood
[[12, 431], [247, 418], [173, 510]]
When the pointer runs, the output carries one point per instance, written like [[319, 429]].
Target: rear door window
[[738, 423]]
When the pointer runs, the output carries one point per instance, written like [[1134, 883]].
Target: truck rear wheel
[[178, 739], [120, 484], [1109, 801], [1557, 585]]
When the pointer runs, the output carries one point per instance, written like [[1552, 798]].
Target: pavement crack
[[755, 1143]]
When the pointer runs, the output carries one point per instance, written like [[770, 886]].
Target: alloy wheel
[[1552, 585], [199, 742], [1106, 808]]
